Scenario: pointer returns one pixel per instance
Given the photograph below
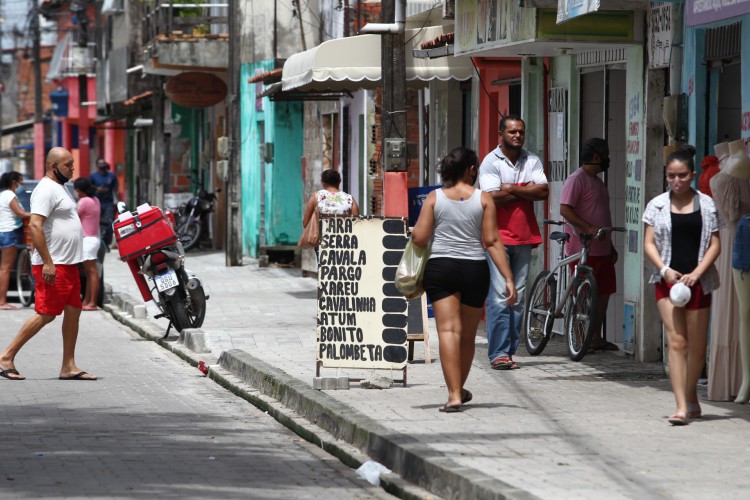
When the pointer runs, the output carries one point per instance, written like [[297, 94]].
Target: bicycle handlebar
[[585, 236]]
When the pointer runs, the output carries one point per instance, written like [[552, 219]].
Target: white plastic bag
[[410, 270], [371, 471]]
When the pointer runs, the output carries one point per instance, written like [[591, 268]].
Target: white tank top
[[458, 227]]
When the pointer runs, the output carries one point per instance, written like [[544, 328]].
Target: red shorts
[[65, 291], [604, 273], [698, 299]]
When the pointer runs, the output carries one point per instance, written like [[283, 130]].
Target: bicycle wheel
[[579, 320], [24, 278], [537, 316]]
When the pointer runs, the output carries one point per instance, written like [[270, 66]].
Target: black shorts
[[469, 278]]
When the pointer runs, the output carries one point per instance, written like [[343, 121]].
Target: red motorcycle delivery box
[[142, 233]]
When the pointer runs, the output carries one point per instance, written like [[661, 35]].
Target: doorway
[[603, 114]]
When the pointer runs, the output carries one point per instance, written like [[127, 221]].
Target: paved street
[[555, 428], [151, 427]]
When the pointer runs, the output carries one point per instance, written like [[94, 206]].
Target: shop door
[[603, 114]]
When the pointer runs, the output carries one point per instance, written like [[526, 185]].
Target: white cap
[[680, 295]]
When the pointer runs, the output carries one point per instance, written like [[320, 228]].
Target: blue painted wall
[[283, 187], [694, 68]]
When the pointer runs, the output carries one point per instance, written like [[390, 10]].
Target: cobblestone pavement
[[555, 428], [151, 427]]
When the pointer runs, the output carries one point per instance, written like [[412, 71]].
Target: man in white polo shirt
[[57, 236], [515, 179]]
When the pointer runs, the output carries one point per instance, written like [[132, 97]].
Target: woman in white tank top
[[460, 220]]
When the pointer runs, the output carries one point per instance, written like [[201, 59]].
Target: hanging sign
[[568, 9], [362, 317], [195, 89], [661, 35]]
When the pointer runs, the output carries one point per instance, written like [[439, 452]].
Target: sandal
[[678, 419], [502, 363], [446, 408], [11, 371], [466, 396]]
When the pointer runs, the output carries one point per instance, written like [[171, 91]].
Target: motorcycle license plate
[[166, 281]]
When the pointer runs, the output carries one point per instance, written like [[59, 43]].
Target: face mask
[[604, 164], [60, 177]]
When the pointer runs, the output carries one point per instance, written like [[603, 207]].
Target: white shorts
[[90, 247]]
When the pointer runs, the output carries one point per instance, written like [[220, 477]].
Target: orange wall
[[492, 70]]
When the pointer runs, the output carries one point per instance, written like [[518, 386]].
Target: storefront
[[716, 81], [580, 78]]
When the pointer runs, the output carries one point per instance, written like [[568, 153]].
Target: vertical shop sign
[[634, 175], [362, 317], [660, 35]]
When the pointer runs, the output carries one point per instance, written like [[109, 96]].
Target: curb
[[417, 465]]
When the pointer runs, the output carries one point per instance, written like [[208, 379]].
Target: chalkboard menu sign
[[362, 317]]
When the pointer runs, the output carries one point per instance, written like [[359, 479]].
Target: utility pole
[[38, 116], [346, 18], [297, 5], [393, 118], [233, 193], [393, 111]]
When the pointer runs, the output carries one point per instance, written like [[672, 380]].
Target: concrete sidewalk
[[553, 429]]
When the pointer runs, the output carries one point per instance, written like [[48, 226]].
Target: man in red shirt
[[585, 204], [515, 179]]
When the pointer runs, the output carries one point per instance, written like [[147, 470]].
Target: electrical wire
[[499, 113], [423, 23]]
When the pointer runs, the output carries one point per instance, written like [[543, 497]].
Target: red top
[[516, 222]]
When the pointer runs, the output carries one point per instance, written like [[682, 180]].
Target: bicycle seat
[[559, 236]]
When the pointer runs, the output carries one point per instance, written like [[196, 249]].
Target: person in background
[[515, 179], [585, 204], [330, 200], [682, 242], [89, 212], [58, 248], [107, 186], [12, 216], [458, 219]]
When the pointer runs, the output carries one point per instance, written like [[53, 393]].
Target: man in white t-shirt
[[57, 236]]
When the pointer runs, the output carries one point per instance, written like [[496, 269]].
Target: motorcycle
[[147, 242], [193, 217]]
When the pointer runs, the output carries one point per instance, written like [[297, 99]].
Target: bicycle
[[578, 298]]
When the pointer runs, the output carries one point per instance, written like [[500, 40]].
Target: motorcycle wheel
[[178, 312], [189, 233], [198, 314]]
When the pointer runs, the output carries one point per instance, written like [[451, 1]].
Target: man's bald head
[[57, 156]]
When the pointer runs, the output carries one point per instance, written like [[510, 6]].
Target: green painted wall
[[279, 182], [284, 186], [189, 120]]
